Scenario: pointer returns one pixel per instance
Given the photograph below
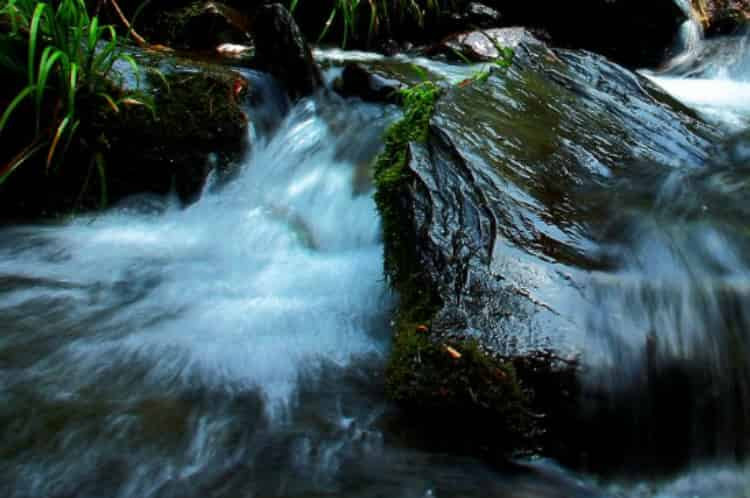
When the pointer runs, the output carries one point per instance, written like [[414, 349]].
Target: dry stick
[[138, 38]]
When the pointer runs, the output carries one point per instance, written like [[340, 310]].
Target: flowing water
[[236, 348]]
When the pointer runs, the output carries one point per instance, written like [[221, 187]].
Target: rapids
[[236, 348]]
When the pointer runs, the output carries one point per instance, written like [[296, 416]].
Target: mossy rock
[[490, 193], [433, 374], [194, 123], [196, 116]]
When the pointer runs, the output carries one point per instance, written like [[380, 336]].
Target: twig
[[138, 38]]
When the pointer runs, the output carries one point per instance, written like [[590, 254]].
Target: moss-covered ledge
[[447, 382]]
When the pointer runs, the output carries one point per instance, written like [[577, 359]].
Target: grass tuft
[[374, 17], [68, 61]]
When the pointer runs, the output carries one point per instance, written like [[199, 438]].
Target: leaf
[[56, 139], [327, 25], [14, 104], [134, 66], [33, 38], [72, 87], [46, 64], [162, 78], [110, 102], [19, 159]]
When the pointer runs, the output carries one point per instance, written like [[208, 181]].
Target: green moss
[[193, 107], [390, 177], [428, 373]]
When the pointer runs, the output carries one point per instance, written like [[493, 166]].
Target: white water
[[261, 287], [245, 289], [712, 76]]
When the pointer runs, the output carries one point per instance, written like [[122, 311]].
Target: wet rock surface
[[635, 33], [200, 124], [722, 16], [204, 26], [356, 80], [500, 214], [195, 123], [282, 51], [485, 45]]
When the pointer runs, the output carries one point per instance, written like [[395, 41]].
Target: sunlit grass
[[378, 14], [69, 60]]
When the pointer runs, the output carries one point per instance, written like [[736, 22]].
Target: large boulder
[[492, 210]]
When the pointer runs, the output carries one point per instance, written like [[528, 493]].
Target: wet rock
[[485, 45], [205, 26], [722, 16], [282, 51], [196, 124], [636, 33], [490, 222], [358, 81], [476, 15]]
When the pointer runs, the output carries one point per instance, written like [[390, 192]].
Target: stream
[[236, 347]]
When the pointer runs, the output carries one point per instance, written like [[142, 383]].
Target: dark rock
[[484, 45], [481, 15], [281, 50], [197, 124], [357, 81], [722, 16], [198, 117], [476, 15], [635, 33], [491, 231], [205, 26]]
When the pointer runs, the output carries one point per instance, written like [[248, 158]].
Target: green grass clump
[[68, 61], [380, 15]]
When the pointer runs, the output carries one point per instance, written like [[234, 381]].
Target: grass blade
[[19, 159], [327, 25], [46, 65], [56, 139], [34, 37], [23, 94], [110, 102]]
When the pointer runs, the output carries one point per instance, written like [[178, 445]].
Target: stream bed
[[236, 348]]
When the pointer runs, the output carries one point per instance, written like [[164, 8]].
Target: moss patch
[[442, 380], [391, 177]]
